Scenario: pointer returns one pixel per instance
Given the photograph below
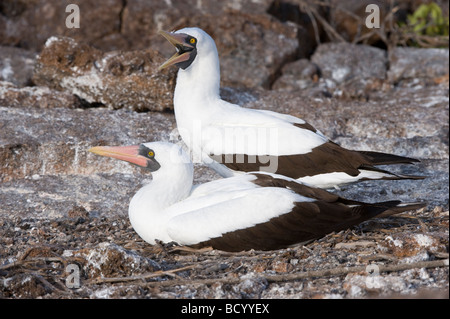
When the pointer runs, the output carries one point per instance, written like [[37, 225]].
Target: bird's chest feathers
[[193, 116]]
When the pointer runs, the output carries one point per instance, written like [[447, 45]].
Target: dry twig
[[340, 271], [171, 273]]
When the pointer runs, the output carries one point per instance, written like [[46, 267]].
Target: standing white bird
[[232, 139], [259, 211]]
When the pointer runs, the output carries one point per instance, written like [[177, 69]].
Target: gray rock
[[409, 64], [350, 70], [248, 38], [35, 96], [16, 65], [142, 19], [55, 141], [108, 259], [297, 75], [251, 287], [47, 196], [29, 24], [344, 62]]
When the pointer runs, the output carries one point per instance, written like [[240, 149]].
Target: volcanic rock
[[358, 68], [16, 65], [405, 66], [28, 24], [129, 80], [36, 96]]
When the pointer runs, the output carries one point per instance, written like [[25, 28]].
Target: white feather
[[330, 180], [232, 211], [171, 209]]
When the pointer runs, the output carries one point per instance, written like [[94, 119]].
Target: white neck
[[200, 81], [195, 98], [169, 186]]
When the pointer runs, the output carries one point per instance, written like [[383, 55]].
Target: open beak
[[125, 153], [185, 51]]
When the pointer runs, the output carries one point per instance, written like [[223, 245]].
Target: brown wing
[[326, 158], [306, 221]]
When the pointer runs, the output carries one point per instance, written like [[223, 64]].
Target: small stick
[[142, 277], [341, 271]]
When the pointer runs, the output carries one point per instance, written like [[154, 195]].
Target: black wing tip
[[391, 175], [409, 159], [379, 158], [404, 207], [415, 177]]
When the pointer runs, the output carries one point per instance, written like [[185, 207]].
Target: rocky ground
[[63, 210]]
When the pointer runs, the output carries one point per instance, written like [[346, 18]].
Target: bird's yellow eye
[[192, 40], [151, 154]]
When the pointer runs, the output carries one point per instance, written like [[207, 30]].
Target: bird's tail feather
[[403, 207], [389, 175], [384, 209], [378, 158]]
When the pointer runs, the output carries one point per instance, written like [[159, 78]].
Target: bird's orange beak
[[125, 153]]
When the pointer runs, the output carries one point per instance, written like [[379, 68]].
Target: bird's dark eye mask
[[152, 163], [186, 47]]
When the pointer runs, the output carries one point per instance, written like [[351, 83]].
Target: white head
[[189, 43], [197, 58]]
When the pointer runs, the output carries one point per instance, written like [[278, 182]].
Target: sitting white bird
[[232, 139], [258, 210]]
